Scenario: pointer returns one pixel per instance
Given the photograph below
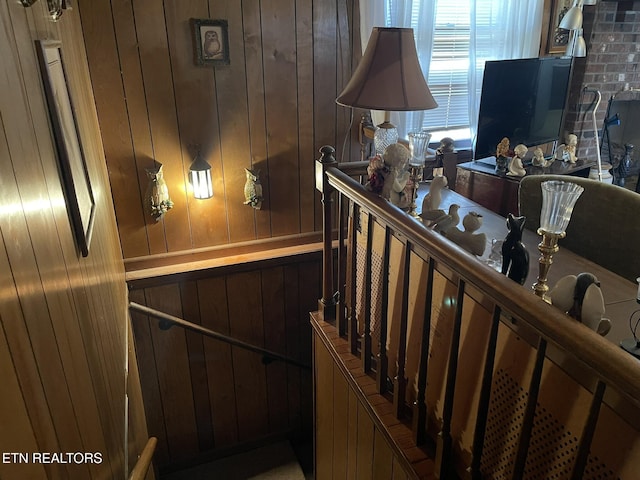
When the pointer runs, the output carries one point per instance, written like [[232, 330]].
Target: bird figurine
[[447, 221], [253, 189], [472, 242], [432, 199]]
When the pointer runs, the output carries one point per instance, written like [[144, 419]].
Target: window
[[454, 39], [448, 77], [448, 68]]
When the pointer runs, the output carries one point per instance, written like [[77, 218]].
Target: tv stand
[[479, 181]]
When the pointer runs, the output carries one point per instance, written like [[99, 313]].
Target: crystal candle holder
[[558, 200], [418, 142]]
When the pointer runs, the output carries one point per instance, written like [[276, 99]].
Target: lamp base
[[630, 345], [386, 134]]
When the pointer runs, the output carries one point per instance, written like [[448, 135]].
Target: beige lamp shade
[[389, 76]]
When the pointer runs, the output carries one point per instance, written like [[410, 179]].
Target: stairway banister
[[602, 357]]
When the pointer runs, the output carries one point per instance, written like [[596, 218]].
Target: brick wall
[[612, 34]]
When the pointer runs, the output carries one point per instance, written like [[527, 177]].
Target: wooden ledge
[[142, 271]]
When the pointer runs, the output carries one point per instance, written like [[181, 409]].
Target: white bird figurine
[[447, 221], [472, 242], [432, 199]]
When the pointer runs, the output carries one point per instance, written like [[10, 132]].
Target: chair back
[[604, 226]]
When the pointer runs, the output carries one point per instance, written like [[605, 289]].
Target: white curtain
[[500, 29]]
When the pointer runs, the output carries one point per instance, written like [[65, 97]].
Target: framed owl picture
[[211, 38]]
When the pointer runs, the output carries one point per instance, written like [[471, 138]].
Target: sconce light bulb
[[200, 178]]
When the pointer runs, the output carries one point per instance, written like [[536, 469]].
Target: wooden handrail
[[194, 327], [602, 357], [139, 471]]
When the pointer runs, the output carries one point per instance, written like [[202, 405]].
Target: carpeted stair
[[272, 462]]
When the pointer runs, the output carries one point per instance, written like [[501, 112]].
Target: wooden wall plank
[[155, 58], [310, 205], [197, 366], [112, 107], [199, 127], [279, 52], [365, 446], [231, 90], [340, 390], [151, 395], [325, 435], [272, 281], [137, 114], [14, 418], [292, 325], [352, 435], [171, 358], [212, 293], [382, 457], [252, 25], [245, 315]]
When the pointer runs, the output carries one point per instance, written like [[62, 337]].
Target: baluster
[[485, 397], [529, 412], [444, 448], [420, 405], [342, 265], [400, 382], [587, 433], [382, 367], [353, 314], [366, 335], [327, 304]]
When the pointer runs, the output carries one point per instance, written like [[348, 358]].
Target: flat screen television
[[522, 99]]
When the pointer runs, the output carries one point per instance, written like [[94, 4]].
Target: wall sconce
[[558, 200], [157, 196], [200, 178]]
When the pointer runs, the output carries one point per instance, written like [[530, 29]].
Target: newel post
[[327, 304]]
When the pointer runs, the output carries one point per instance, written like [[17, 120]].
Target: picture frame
[[74, 175], [211, 41], [555, 39]]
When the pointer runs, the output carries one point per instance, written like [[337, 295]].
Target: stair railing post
[[327, 304]]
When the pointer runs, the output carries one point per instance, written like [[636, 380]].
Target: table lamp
[[388, 78], [558, 200]]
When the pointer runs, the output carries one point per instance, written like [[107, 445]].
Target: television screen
[[523, 100]]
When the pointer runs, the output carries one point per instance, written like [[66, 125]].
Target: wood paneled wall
[[63, 318], [203, 397], [271, 109]]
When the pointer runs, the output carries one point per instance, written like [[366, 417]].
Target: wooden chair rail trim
[[607, 361], [212, 257], [139, 471], [193, 270], [414, 459]]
